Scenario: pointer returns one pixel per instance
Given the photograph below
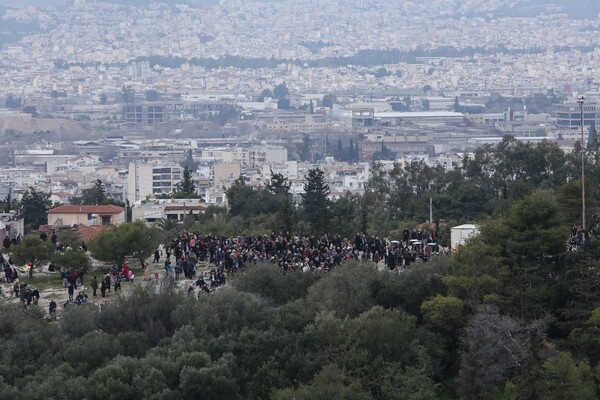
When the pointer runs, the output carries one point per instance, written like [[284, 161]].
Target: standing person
[[22, 291], [80, 275], [94, 286], [169, 269], [103, 288], [73, 277], [112, 278], [156, 283], [117, 283], [126, 271], [16, 286], [107, 281], [156, 256], [52, 308], [71, 290], [178, 268], [64, 274], [28, 297], [35, 296]]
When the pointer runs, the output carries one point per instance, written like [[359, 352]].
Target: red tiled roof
[[109, 209], [89, 232]]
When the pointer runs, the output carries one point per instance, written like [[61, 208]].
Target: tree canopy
[[186, 189], [133, 239], [32, 250], [34, 206], [315, 203]]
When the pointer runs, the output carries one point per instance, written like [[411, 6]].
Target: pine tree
[[6, 204], [456, 106], [315, 203], [280, 187], [592, 143], [186, 186], [34, 207], [189, 162]]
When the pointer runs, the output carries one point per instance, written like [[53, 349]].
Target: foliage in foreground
[[504, 318]]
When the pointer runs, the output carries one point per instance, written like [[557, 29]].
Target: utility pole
[[580, 101]]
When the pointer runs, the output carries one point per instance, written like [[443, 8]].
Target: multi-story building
[[568, 116], [145, 114], [151, 179], [398, 144]]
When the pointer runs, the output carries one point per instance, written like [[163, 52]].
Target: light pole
[[580, 101]]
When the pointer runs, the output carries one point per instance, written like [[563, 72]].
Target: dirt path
[[50, 285]]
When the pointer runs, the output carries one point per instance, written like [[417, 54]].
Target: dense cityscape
[[341, 200]]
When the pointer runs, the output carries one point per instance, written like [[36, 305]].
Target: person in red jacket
[[126, 271]]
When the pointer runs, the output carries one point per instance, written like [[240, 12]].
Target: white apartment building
[[151, 179]]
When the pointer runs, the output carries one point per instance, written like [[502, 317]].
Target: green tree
[[71, 258], [566, 379], [6, 204], [34, 207], [96, 195], [33, 250], [103, 98], [345, 215], [328, 101], [31, 110], [315, 204], [270, 283], [517, 260], [127, 94], [592, 143], [381, 73], [264, 94], [279, 186], [281, 91], [186, 189], [329, 384], [69, 238], [456, 106], [152, 95], [283, 104], [170, 229], [133, 239], [445, 313], [189, 162], [13, 102], [569, 200]]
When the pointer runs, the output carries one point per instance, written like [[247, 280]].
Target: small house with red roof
[[89, 215]]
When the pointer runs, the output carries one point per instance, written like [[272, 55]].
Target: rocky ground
[[50, 285]]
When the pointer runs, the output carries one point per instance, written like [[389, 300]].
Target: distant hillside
[[12, 31], [32, 125]]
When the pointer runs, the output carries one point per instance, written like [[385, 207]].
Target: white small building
[[459, 234], [176, 209]]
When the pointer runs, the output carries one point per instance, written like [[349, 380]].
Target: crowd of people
[[9, 269], [221, 257], [289, 252]]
